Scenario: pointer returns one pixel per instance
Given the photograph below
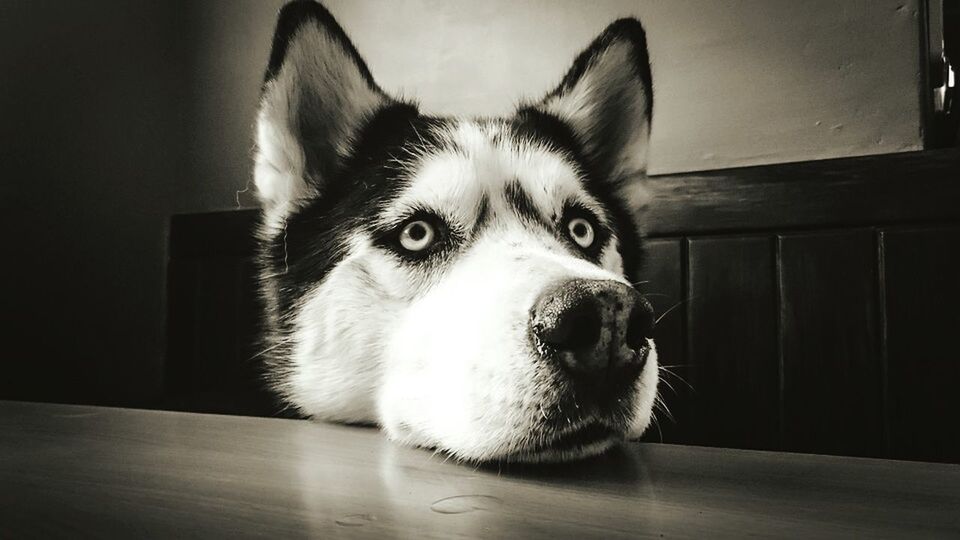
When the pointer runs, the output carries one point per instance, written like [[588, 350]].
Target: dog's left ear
[[607, 99], [317, 94]]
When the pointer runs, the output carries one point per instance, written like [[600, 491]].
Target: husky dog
[[463, 283]]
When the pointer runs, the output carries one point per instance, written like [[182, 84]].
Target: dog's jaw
[[525, 444]]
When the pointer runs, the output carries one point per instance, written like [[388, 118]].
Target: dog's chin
[[587, 440], [581, 442], [598, 425]]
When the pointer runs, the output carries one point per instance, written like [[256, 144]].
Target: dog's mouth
[[582, 441], [586, 435]]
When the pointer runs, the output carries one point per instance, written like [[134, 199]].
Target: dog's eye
[[581, 231], [417, 235]]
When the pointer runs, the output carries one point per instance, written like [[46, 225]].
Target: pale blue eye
[[581, 231], [417, 236]]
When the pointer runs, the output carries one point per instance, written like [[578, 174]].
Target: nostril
[[577, 328], [640, 325]]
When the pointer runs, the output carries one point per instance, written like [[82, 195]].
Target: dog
[[465, 284]]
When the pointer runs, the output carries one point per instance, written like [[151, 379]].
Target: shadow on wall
[[112, 122]]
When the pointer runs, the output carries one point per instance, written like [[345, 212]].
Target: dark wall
[[115, 115], [93, 108]]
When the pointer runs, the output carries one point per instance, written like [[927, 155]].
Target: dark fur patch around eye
[[446, 237], [628, 237], [315, 237], [531, 124]]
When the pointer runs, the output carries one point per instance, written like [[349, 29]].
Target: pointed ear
[[316, 94], [607, 99]]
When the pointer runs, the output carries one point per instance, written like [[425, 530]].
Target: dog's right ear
[[607, 99], [316, 94]]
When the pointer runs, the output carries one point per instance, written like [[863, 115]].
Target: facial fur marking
[[444, 238], [531, 124], [483, 215], [523, 206]]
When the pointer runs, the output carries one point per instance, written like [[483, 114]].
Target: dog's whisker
[[671, 308], [656, 424], [663, 406], [284, 408], [286, 255], [423, 142], [670, 386], [678, 377], [271, 348], [689, 386]]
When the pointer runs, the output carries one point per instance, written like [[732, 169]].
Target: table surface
[[70, 470]]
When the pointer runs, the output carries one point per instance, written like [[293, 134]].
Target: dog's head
[[465, 284]]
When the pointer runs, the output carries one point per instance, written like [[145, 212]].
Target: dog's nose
[[596, 328]]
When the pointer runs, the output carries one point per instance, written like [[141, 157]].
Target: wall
[[745, 83], [115, 116], [90, 141], [736, 83]]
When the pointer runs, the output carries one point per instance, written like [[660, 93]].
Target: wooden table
[[71, 470]]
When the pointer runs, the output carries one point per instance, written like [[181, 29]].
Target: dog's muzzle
[[596, 331]]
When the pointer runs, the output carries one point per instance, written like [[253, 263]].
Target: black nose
[[596, 329]]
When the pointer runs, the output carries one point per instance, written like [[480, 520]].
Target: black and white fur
[[435, 347]]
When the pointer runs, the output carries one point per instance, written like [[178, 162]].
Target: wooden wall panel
[[839, 193], [213, 338], [921, 269], [217, 305], [662, 283], [732, 342], [181, 324], [248, 336], [830, 341], [197, 378]]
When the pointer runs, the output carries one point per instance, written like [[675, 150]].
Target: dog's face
[[465, 284]]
